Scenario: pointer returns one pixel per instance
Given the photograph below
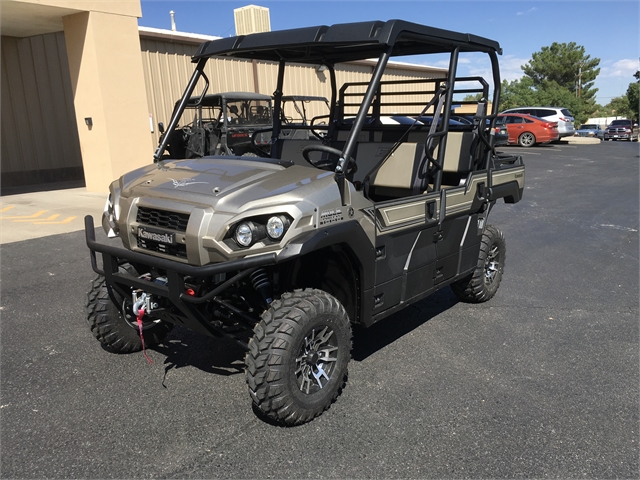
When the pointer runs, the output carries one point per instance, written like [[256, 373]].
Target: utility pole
[[579, 80]]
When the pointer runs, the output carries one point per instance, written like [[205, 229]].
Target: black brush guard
[[188, 310]]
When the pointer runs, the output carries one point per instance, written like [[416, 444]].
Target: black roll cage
[[329, 45]]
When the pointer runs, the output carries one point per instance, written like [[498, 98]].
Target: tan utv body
[[358, 217]]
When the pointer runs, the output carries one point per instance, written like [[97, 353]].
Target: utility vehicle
[[285, 254], [218, 124]]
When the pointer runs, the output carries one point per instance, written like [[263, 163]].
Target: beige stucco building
[[83, 88]]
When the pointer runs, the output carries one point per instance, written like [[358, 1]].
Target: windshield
[[248, 112]]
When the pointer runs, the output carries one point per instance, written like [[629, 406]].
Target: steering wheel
[[351, 164]]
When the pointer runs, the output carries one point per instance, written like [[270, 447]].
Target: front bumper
[[186, 309]]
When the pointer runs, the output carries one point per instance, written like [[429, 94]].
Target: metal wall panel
[[39, 132], [167, 69]]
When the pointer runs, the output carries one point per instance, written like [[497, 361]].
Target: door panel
[[405, 248]]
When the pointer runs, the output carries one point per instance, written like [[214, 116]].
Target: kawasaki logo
[[160, 237], [184, 182]]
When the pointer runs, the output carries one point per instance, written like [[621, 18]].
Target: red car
[[527, 130]]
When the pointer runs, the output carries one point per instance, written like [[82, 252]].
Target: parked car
[[527, 130], [622, 129], [501, 135], [561, 116], [590, 130]]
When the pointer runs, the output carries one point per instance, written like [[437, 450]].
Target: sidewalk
[[39, 214]]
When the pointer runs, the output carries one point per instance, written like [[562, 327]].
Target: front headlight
[[276, 226], [245, 234], [260, 228]]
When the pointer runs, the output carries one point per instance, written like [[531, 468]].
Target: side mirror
[[161, 127]]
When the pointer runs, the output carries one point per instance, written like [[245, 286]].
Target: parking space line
[[66, 220], [52, 217], [35, 215], [7, 208]]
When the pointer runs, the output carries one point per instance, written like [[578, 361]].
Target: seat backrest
[[393, 178], [457, 157]]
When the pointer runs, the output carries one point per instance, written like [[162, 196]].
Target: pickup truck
[[622, 129]]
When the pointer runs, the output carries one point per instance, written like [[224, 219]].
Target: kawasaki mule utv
[[285, 253]]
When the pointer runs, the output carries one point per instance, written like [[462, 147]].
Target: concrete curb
[[581, 140]]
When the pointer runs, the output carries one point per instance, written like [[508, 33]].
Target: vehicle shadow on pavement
[[185, 348], [367, 341]]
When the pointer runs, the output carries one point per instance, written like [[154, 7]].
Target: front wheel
[[116, 332], [527, 139], [298, 356], [483, 283]]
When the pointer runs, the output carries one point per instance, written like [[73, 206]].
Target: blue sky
[[609, 30]]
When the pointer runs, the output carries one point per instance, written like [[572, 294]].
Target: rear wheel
[[483, 283], [527, 139], [298, 356]]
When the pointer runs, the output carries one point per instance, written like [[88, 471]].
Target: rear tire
[[298, 356], [527, 139], [483, 283], [116, 333]]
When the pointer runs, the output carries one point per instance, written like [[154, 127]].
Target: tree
[[523, 92], [561, 75], [619, 107], [567, 65], [518, 93]]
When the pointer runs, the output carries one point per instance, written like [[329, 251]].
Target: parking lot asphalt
[[540, 382]]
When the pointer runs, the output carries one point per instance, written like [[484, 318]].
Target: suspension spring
[[262, 284]]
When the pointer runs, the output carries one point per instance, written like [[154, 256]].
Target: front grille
[[178, 250], [163, 219]]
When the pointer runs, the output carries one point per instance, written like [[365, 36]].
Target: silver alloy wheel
[[315, 363], [527, 139], [491, 265]]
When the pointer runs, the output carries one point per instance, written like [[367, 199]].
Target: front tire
[[483, 283], [118, 333], [298, 356]]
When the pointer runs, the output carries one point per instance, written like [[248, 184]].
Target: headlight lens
[[267, 229], [276, 226], [245, 234]]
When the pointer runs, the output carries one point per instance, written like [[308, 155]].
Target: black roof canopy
[[345, 42]]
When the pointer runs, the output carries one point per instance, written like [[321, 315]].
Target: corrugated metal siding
[[167, 69], [39, 133]]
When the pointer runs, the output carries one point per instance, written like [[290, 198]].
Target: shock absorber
[[262, 284]]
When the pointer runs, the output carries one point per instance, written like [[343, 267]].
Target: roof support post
[[157, 156]]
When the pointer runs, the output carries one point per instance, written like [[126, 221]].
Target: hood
[[221, 182]]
